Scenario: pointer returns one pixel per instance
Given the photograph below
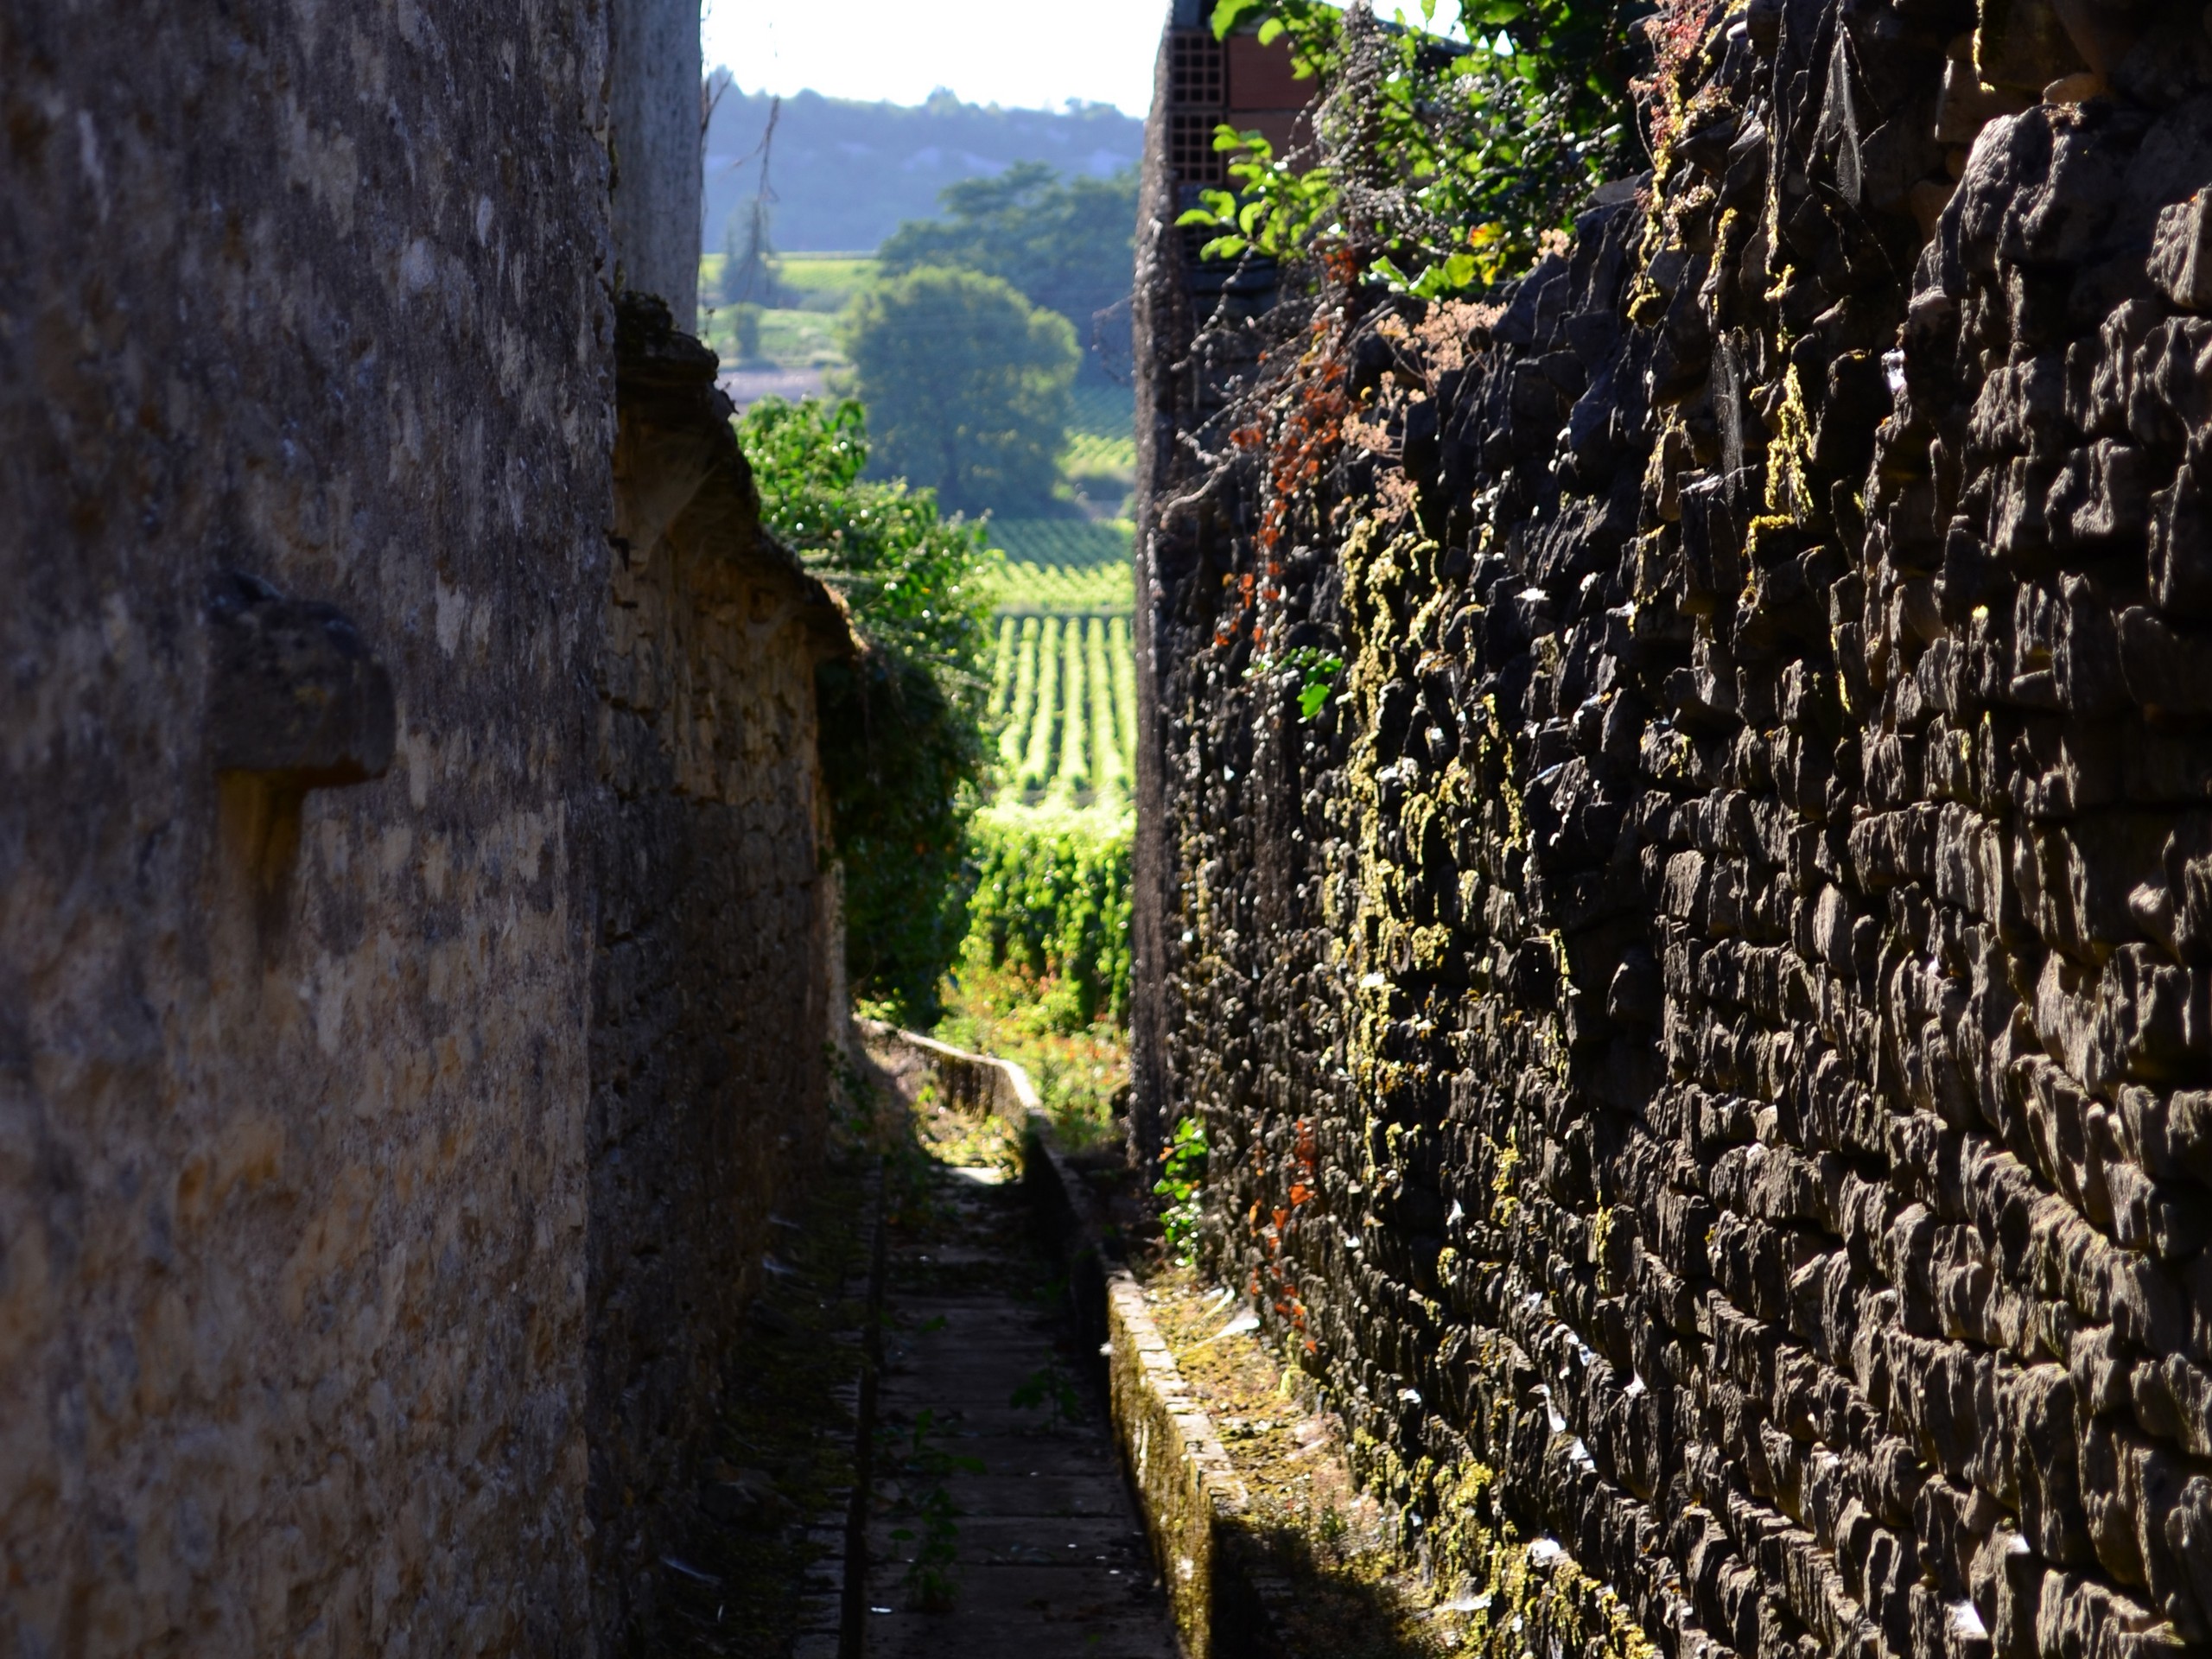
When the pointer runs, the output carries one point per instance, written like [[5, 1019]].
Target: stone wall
[[712, 992], [657, 142], [1705, 1035], [293, 1086], [355, 791]]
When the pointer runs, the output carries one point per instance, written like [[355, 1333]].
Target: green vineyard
[[1063, 567], [1064, 690]]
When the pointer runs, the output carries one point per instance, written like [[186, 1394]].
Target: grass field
[[1100, 462], [825, 282], [1102, 412], [802, 334]]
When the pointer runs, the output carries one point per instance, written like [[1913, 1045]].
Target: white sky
[[1020, 55]]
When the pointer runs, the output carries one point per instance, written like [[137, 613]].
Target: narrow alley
[[1002, 1524]]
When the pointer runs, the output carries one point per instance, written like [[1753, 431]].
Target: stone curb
[[1189, 1489], [1186, 1486]]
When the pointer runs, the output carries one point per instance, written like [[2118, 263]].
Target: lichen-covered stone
[[1707, 1021]]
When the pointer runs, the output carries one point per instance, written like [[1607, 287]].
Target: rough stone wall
[[414, 959], [1705, 1036], [292, 1090], [712, 992]]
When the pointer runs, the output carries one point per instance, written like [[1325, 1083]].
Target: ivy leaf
[[1229, 13]]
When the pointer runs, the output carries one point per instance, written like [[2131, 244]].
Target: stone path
[[1002, 1523]]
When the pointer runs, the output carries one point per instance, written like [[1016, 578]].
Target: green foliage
[[748, 268], [966, 384], [1069, 246], [1053, 1388], [903, 743], [1317, 670], [1052, 901], [1183, 1172], [923, 1468], [1445, 166]]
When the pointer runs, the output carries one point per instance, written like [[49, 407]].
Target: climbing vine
[[1444, 163]]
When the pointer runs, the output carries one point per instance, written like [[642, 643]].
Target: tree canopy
[[1068, 244], [966, 384]]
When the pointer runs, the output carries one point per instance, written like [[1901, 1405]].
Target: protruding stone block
[[293, 692]]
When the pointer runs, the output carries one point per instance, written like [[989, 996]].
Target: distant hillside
[[846, 174]]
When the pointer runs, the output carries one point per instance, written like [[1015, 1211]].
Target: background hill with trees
[[846, 174]]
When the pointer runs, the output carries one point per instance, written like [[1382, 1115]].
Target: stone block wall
[[714, 989], [413, 958], [1705, 1035], [293, 1086]]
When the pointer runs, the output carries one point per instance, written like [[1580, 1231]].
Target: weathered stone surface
[[1710, 1020], [717, 933], [293, 694], [329, 1237]]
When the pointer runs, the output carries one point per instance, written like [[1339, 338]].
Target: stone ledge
[[1189, 1489]]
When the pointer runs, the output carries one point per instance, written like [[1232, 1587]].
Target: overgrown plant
[[924, 1468], [1442, 163], [1317, 670], [902, 728], [1052, 901], [1051, 1389], [1183, 1172]]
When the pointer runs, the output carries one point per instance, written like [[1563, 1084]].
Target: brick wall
[[1709, 1023]]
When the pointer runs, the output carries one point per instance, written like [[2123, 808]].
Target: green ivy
[[1183, 1172], [903, 728], [1317, 670]]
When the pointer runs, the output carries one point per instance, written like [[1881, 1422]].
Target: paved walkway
[[1002, 1523]]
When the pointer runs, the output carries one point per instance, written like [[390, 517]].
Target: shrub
[[1052, 901]]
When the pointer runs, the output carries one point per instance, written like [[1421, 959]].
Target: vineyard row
[[1064, 688]]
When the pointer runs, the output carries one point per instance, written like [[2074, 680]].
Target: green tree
[[1069, 245], [748, 261], [903, 729], [966, 384]]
